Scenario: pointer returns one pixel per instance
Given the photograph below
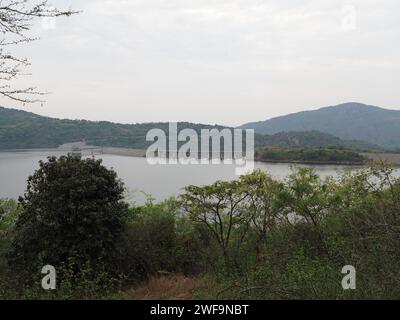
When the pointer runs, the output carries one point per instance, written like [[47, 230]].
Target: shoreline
[[141, 153], [322, 163], [135, 153], [392, 158]]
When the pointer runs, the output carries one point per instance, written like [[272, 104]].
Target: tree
[[16, 17], [72, 211], [263, 204], [304, 196], [219, 208]]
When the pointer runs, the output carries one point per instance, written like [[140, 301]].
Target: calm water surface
[[139, 177]]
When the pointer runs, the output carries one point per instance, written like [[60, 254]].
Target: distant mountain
[[25, 130], [349, 121]]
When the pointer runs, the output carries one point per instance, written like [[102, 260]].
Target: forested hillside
[[350, 121], [24, 130], [20, 129]]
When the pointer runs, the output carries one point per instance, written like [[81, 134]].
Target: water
[[139, 177]]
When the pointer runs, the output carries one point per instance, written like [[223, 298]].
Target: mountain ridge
[[348, 121], [25, 130]]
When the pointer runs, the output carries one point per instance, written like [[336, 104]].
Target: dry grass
[[174, 287], [393, 158]]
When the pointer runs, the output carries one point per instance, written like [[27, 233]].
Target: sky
[[213, 61]]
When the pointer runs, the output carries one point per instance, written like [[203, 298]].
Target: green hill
[[350, 121], [24, 130]]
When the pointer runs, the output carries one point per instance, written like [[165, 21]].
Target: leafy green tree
[[219, 208], [9, 212], [263, 204], [72, 211], [160, 241], [304, 196]]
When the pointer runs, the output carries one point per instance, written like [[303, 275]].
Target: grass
[[171, 287]]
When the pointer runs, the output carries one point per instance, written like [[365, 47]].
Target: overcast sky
[[214, 61]]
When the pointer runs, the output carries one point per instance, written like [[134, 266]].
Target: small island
[[309, 155]]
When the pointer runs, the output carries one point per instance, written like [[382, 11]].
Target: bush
[[161, 242], [283, 240], [9, 212], [72, 211], [322, 226]]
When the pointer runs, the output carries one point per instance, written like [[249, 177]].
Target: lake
[[159, 181]]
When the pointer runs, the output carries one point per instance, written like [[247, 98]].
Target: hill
[[25, 130], [349, 121]]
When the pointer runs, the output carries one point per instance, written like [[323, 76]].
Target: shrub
[[72, 210], [161, 242]]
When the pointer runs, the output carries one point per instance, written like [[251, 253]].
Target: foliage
[[217, 207], [9, 213], [72, 209], [353, 220], [312, 139], [161, 242], [310, 155], [253, 238], [20, 129]]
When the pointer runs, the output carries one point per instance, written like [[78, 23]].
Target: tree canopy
[[73, 211]]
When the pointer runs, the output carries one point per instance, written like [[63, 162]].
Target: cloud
[[216, 61]]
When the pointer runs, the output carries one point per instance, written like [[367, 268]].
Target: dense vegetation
[[72, 208], [20, 129], [310, 155], [312, 139], [255, 237], [349, 121]]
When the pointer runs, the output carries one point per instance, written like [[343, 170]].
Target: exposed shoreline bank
[[322, 163], [139, 153], [393, 158], [136, 153], [390, 157]]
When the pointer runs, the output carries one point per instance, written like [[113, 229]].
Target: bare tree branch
[[16, 20]]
